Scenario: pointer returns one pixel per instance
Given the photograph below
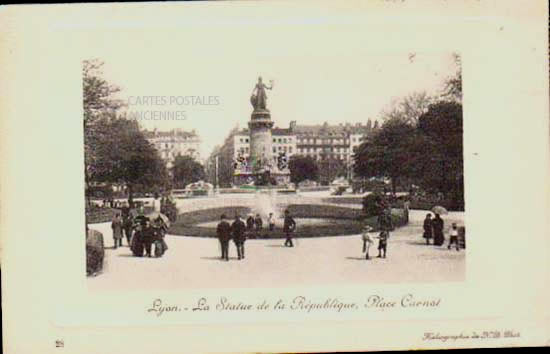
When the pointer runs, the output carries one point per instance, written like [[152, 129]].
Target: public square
[[194, 262]]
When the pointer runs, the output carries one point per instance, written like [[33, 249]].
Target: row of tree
[[420, 142], [116, 152]]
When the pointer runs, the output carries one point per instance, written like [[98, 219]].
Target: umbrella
[[155, 215], [438, 209]]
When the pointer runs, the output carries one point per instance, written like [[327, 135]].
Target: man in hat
[[288, 228], [238, 228], [224, 235]]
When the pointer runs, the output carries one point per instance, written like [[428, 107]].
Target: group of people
[[433, 228], [238, 230], [141, 234], [254, 224], [384, 225], [146, 234]]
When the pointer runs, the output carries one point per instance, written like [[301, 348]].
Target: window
[[242, 141], [274, 140], [274, 149], [284, 141], [246, 140], [290, 149]]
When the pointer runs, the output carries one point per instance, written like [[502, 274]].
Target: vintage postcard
[[280, 176]]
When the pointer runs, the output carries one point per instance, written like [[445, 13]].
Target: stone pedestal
[[261, 141], [262, 160]]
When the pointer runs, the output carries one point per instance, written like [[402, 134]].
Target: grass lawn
[[344, 200], [343, 221]]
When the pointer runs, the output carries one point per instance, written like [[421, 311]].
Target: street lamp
[[216, 186]]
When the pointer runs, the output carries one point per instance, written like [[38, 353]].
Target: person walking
[[428, 228], [454, 237], [383, 243], [271, 222], [237, 229], [438, 225], [288, 228], [406, 206], [127, 222], [250, 222], [148, 237], [367, 240], [116, 226], [224, 235], [258, 222]]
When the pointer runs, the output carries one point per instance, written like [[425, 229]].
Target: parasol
[[156, 215], [438, 209]]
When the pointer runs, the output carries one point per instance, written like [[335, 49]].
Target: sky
[[331, 73]]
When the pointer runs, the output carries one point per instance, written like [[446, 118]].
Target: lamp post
[[216, 186]]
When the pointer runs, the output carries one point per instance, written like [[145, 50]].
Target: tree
[[394, 151], [98, 103], [331, 168], [187, 170], [124, 156], [303, 168], [443, 125], [98, 94], [453, 85], [408, 109]]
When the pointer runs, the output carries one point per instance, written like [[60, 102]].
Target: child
[[367, 240], [382, 243], [454, 237]]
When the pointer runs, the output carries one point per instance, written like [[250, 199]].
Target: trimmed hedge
[[99, 215]]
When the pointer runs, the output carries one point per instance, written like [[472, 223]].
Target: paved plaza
[[193, 262]]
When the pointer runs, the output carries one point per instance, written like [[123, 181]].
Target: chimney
[[292, 126]]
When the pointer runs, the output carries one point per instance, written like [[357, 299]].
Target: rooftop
[[174, 133]]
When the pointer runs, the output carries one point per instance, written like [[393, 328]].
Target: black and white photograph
[[272, 170], [274, 176]]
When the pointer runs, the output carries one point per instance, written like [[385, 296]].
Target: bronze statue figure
[[259, 97]]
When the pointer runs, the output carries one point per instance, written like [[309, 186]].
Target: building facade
[[323, 142], [176, 142]]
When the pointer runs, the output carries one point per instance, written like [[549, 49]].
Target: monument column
[[260, 141], [260, 131]]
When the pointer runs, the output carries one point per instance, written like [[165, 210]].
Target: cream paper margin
[[505, 79]]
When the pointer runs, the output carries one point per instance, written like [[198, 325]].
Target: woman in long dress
[[438, 224], [428, 234]]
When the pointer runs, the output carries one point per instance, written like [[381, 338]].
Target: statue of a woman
[[259, 98]]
